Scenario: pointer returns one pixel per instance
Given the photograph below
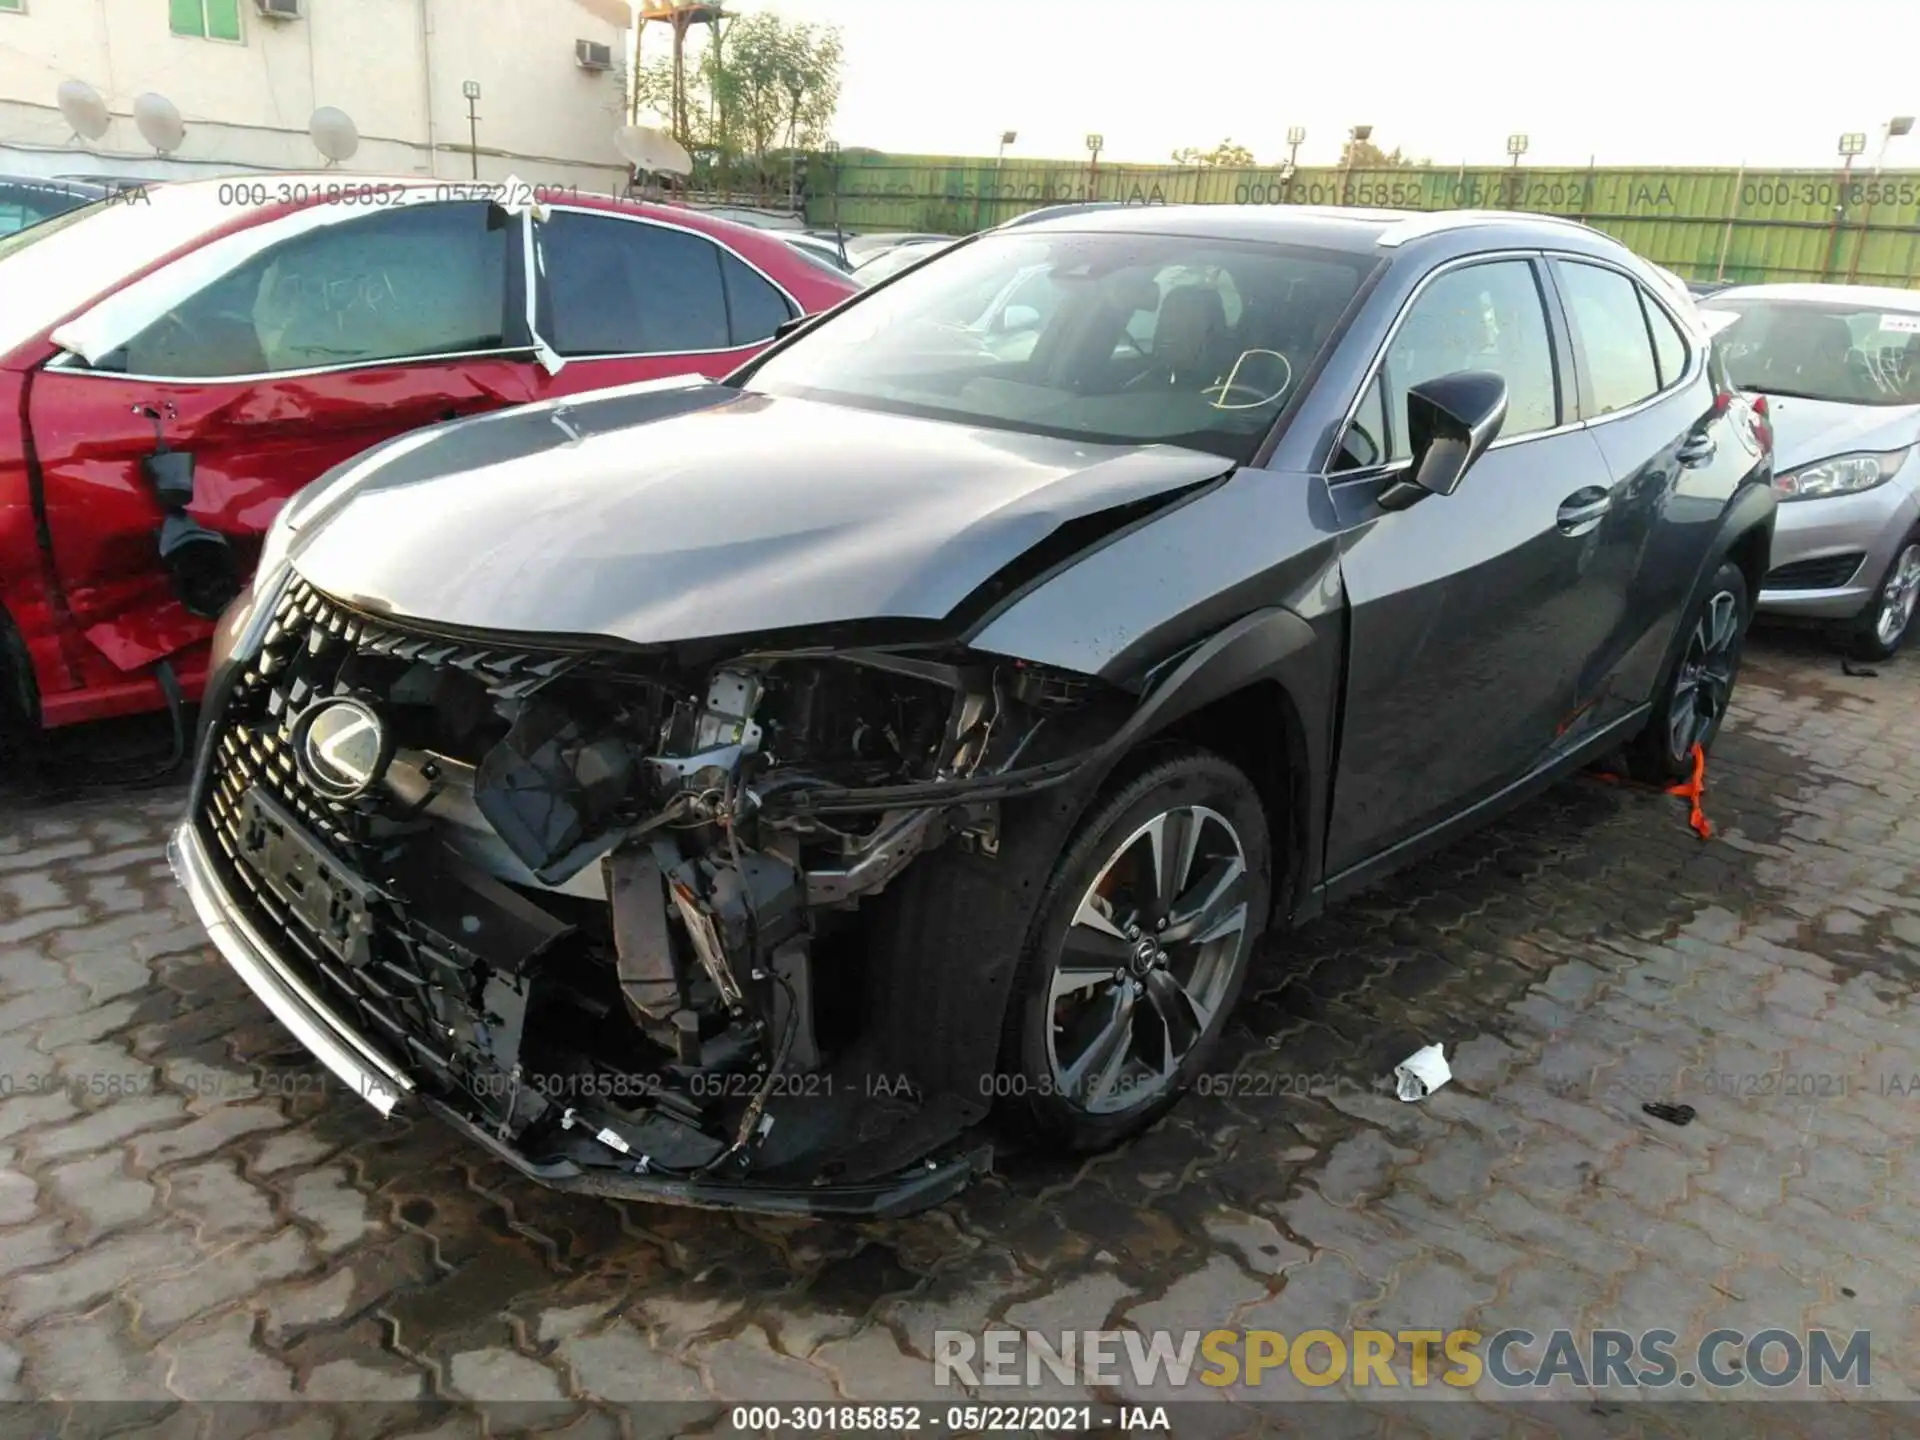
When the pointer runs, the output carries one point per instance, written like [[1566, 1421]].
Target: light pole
[[1296, 136], [1516, 147], [1896, 127], [832, 149], [1853, 143], [471, 89], [1356, 137], [1095, 144], [1007, 137]]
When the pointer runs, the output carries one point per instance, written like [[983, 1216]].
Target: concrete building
[[247, 75]]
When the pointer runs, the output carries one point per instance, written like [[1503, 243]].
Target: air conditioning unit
[[278, 9], [590, 54]]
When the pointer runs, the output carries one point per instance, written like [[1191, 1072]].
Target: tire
[[1694, 693], [1074, 1074], [19, 700], [1877, 632]]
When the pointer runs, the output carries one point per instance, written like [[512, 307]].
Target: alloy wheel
[[1148, 960], [1704, 682], [1898, 597]]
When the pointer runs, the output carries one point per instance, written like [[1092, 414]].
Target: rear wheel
[[1877, 632], [1693, 702], [1139, 950]]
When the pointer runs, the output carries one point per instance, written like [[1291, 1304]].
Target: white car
[[1840, 367]]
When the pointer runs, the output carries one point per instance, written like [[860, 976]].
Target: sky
[[1628, 82]]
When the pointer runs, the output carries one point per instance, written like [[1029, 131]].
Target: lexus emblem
[[341, 747]]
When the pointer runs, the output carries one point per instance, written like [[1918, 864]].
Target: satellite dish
[[159, 122], [84, 110], [653, 151], [333, 132]]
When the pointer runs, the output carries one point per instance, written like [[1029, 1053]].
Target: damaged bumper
[[367, 1073]]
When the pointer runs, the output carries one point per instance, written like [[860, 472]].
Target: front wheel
[[1880, 628], [1693, 702], [1139, 951]]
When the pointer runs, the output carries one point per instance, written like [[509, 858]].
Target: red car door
[[361, 327], [629, 296]]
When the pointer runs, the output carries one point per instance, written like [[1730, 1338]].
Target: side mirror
[[201, 565], [1451, 420], [788, 326], [170, 472], [1019, 317]]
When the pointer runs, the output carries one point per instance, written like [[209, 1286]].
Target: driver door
[[358, 326], [1463, 648]]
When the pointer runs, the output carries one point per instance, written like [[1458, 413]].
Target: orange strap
[[1690, 790]]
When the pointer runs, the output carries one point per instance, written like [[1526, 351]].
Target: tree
[[1365, 155], [1225, 153], [652, 98], [772, 84], [759, 85]]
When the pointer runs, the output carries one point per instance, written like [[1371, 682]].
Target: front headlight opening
[[1842, 475]]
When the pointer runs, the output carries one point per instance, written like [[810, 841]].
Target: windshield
[[99, 243], [1110, 338], [1850, 354]]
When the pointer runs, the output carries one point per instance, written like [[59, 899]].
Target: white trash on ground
[[1422, 1073]]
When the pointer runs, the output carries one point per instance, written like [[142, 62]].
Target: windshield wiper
[[1785, 394]]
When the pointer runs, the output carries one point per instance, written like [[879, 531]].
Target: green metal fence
[[1742, 225]]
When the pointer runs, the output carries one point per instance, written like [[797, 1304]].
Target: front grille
[[412, 991], [1829, 572]]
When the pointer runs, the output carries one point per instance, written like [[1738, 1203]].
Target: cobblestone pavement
[[220, 1221]]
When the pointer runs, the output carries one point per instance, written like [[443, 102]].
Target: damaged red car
[[176, 363]]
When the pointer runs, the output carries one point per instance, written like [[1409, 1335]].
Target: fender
[[1274, 647], [1752, 508], [31, 595], [944, 1026], [1255, 647]]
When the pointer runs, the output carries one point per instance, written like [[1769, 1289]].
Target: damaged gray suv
[[735, 794]]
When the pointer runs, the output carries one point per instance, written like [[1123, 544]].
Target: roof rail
[[1437, 221]]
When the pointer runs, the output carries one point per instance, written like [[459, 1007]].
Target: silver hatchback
[[1840, 367]]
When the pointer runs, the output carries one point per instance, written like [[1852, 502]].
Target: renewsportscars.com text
[[1514, 1359]]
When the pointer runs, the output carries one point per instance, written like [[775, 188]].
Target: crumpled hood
[[658, 513], [1805, 431]]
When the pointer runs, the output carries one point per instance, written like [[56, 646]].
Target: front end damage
[[605, 908]]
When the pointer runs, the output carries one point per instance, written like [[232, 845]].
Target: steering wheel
[[1217, 395]]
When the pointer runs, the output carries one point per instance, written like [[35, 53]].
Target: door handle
[[1582, 510], [1697, 450]]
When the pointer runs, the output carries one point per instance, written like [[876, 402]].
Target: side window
[[398, 284], [1365, 443], [1670, 347], [754, 307], [1481, 317], [624, 287], [1611, 332]]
